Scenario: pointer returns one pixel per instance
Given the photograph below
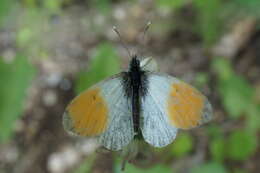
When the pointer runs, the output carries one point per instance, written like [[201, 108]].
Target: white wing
[[155, 126], [120, 131]]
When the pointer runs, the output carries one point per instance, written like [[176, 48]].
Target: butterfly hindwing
[[154, 125]]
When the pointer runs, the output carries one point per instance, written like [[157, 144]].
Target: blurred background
[[50, 50]]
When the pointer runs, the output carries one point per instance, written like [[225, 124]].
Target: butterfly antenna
[[121, 40], [143, 41], [146, 29]]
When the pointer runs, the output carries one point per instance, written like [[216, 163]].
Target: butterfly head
[[134, 64]]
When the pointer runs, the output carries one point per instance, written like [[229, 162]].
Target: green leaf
[[217, 149], [182, 145], [235, 91], [237, 95], [16, 78], [241, 145], [211, 167], [105, 63]]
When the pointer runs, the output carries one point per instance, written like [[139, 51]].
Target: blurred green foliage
[[86, 166], [133, 169], [211, 167], [16, 78], [241, 145], [249, 7], [209, 21], [53, 6], [201, 79], [5, 6], [24, 36], [214, 131], [237, 98], [103, 6], [237, 94], [30, 3], [218, 148], [239, 170], [104, 64], [170, 5], [182, 145]]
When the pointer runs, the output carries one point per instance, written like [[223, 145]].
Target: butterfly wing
[[170, 104], [102, 111]]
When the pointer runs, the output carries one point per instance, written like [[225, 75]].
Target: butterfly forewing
[[102, 111], [168, 105]]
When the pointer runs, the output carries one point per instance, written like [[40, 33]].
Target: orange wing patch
[[185, 106], [88, 113]]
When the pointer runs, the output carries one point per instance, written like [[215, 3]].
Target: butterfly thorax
[[135, 72]]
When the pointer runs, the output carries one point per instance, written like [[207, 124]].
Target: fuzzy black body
[[135, 84]]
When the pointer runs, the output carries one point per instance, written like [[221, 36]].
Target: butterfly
[[139, 103]]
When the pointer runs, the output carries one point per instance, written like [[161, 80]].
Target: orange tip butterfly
[[138, 103]]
